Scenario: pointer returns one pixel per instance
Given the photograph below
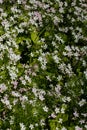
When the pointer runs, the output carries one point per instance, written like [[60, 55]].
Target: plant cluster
[[43, 65]]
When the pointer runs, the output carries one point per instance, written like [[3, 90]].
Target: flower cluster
[[43, 65]]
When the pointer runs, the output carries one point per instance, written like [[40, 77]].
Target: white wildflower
[[82, 102], [78, 128], [2, 88], [31, 126], [57, 110], [45, 109], [63, 128], [22, 126]]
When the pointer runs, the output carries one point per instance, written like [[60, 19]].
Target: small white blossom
[[60, 120], [15, 94], [63, 128], [2, 88], [57, 110], [56, 59], [76, 114], [68, 99], [45, 109], [31, 126], [1, 1], [42, 122], [86, 126], [22, 126], [82, 102], [62, 110], [78, 128], [53, 115]]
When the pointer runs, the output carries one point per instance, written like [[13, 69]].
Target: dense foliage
[[43, 65]]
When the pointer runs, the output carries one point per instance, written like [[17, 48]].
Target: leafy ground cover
[[43, 65]]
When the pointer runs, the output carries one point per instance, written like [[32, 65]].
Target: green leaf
[[52, 125], [47, 34], [34, 37], [1, 122], [65, 117], [64, 106]]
